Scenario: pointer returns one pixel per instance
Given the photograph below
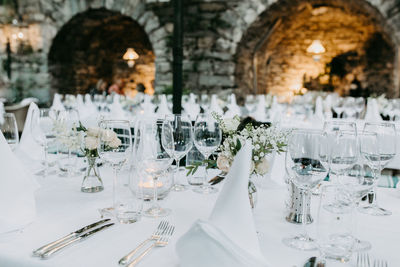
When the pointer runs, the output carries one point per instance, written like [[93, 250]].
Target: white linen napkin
[[57, 104], [233, 108], [147, 107], [117, 112], [319, 112], [17, 200], [259, 112], [163, 107], [191, 108], [214, 106], [372, 114], [90, 106], [228, 238]]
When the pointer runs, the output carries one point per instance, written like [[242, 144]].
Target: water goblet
[[181, 143], [9, 129], [207, 137], [306, 166]]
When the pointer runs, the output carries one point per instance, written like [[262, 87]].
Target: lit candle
[[150, 184]]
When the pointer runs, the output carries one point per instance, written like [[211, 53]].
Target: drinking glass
[[338, 106], [306, 166], [207, 137], [9, 129], [178, 146], [386, 133], [115, 148], [154, 159], [43, 132], [335, 226], [250, 103]]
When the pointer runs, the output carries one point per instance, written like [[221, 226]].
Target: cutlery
[[155, 236], [314, 262], [42, 249], [53, 250], [363, 260], [380, 263], [162, 242]]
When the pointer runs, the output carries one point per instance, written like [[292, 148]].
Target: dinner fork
[[363, 260], [380, 263], [162, 226], [162, 242]]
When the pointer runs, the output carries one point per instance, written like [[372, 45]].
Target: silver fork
[[155, 236], [363, 260], [380, 263], [162, 242]]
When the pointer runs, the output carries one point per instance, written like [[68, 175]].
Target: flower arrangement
[[265, 140]]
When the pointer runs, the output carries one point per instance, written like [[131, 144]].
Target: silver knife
[[41, 250], [69, 242]]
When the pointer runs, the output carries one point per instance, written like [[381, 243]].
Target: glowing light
[[130, 56], [316, 47], [20, 35]]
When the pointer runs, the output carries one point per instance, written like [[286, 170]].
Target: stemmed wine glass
[[181, 143], [9, 129], [207, 137], [149, 139], [43, 131], [115, 148], [306, 165], [386, 133]]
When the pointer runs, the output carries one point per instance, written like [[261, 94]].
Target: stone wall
[[244, 46]]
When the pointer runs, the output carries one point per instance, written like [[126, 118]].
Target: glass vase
[[92, 182]]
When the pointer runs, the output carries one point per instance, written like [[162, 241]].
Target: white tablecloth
[[62, 208]]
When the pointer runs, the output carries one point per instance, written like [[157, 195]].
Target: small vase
[[252, 194], [92, 182]]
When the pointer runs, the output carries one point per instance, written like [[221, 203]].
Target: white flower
[[91, 143], [262, 154], [257, 146], [223, 163], [93, 131], [230, 125], [262, 167], [116, 142], [108, 135], [256, 158]]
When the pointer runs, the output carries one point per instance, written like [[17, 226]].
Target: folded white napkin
[[117, 112], [372, 114], [17, 201], [228, 238], [57, 104], [259, 112], [90, 106], [191, 108], [319, 112], [147, 107], [163, 107], [233, 108], [214, 106]]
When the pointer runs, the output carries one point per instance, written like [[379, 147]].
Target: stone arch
[[136, 10], [253, 21]]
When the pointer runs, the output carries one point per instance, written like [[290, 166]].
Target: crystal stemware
[[207, 137], [9, 129], [115, 149], [178, 146], [306, 166], [153, 158], [386, 133]]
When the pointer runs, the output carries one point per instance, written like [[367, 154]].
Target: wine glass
[[338, 106], [154, 159], [207, 137], [178, 146], [43, 132], [250, 103], [306, 166], [360, 178], [115, 149], [386, 133], [9, 129]]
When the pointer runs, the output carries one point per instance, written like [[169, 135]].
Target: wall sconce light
[[316, 48], [130, 56]]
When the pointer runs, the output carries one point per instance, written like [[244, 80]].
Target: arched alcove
[[90, 46], [360, 45]]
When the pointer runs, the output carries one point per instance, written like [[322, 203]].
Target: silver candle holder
[[295, 205]]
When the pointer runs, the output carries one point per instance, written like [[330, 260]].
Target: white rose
[[231, 125], [262, 167], [93, 131], [223, 163], [108, 135], [91, 142], [116, 142]]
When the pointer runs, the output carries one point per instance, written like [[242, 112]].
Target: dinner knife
[[43, 249], [69, 242]]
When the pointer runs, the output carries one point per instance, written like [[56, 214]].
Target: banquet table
[[62, 208]]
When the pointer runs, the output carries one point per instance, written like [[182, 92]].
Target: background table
[[62, 208]]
